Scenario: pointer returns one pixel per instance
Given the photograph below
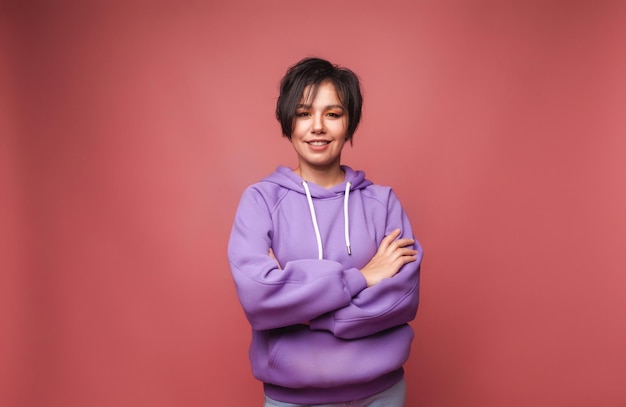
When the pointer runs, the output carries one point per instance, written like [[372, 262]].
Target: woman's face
[[319, 131]]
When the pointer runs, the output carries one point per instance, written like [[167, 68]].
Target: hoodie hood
[[286, 178], [354, 180]]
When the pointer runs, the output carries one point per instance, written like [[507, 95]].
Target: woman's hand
[[273, 256], [392, 254]]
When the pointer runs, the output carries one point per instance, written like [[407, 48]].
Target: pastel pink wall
[[130, 130]]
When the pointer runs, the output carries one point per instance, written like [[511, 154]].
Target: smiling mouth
[[318, 143]]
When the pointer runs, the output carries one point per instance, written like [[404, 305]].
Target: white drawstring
[[346, 221], [314, 219], [345, 217]]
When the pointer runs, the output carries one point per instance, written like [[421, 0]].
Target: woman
[[324, 261]]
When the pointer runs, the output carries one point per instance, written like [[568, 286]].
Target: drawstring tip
[[349, 250]]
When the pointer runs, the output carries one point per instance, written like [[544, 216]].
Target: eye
[[334, 115], [302, 114]]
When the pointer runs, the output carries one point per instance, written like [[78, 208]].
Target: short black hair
[[313, 72]]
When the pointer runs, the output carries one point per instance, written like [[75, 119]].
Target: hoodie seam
[[269, 283], [373, 197], [272, 206]]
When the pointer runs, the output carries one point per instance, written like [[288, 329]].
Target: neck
[[324, 177]]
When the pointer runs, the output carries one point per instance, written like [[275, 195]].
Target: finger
[[273, 256], [408, 259], [403, 242], [407, 252], [401, 261], [387, 240]]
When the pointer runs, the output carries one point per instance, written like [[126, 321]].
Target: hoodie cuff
[[355, 283], [354, 280]]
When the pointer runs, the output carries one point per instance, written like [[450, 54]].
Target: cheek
[[338, 127], [299, 128]]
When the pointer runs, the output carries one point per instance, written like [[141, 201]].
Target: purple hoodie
[[319, 334]]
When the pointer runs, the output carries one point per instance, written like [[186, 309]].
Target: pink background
[[130, 130]]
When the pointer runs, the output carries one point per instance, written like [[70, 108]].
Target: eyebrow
[[304, 106]]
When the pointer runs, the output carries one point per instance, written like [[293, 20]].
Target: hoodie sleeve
[[391, 302], [273, 297]]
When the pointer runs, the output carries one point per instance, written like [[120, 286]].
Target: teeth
[[318, 143]]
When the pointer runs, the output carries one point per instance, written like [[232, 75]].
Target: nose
[[317, 126]]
